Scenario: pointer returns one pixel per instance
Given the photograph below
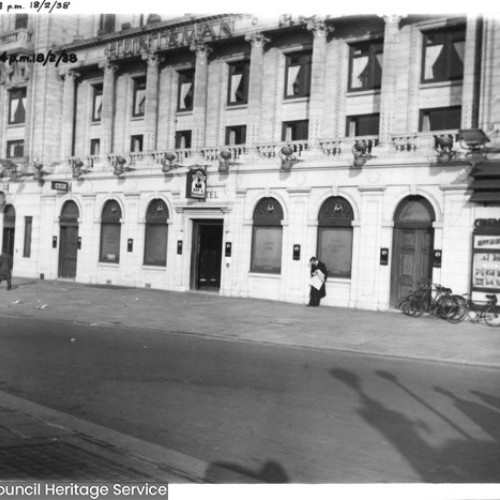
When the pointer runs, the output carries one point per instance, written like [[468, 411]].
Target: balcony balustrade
[[17, 42]]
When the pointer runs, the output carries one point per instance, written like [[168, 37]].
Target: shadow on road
[[464, 460], [271, 472]]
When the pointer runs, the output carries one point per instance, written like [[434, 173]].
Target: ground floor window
[[267, 237], [156, 236], [335, 236], [110, 232], [28, 224]]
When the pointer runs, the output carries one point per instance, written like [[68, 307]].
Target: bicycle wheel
[[446, 307], [459, 313], [415, 307], [492, 316]]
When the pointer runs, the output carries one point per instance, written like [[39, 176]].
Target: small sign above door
[[196, 183], [60, 186]]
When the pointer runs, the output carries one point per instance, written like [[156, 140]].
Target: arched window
[[335, 236], [267, 237], [110, 232], [70, 211], [155, 246]]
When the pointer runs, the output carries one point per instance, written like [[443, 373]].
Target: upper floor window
[[443, 57], [21, 21], [15, 149], [298, 74], [183, 139], [365, 65], [297, 130], [95, 147], [360, 125], [107, 23], [136, 143], [440, 119], [139, 103], [96, 102], [236, 135], [17, 105], [238, 82], [186, 90]]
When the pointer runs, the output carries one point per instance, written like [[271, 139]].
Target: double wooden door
[[68, 251]]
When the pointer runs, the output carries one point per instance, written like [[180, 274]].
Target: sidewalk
[[37, 443], [375, 333]]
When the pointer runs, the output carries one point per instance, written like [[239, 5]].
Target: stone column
[[388, 88], [68, 113], [258, 41], [318, 83], [472, 73], [151, 109], [108, 106], [200, 94]]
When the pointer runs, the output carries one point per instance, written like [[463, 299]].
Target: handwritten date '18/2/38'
[[49, 57], [42, 6]]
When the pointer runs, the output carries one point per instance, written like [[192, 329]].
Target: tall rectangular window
[[139, 103], [236, 135], [239, 73], [183, 139], [136, 142], [297, 130], [96, 102], [185, 94], [443, 54], [360, 125], [298, 74], [28, 224], [107, 23], [17, 105], [21, 21], [95, 147], [440, 119], [15, 149], [365, 65]]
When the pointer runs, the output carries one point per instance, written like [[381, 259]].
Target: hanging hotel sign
[[60, 186], [196, 183], [204, 31]]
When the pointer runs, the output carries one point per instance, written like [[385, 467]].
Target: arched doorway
[[9, 226], [413, 242], [68, 240]]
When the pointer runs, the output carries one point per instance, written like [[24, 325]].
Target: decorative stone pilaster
[[108, 99], [202, 51], [318, 82], [388, 93], [151, 109], [68, 113]]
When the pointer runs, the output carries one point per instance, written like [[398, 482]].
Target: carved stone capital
[[69, 74], [257, 39], [151, 58], [200, 49], [318, 27], [108, 67]]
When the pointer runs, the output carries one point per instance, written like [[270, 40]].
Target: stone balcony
[[17, 42]]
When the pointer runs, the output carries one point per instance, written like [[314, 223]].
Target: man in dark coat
[[315, 294], [6, 269]]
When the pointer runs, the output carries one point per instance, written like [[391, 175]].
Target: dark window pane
[[21, 21], [17, 106], [238, 82], [186, 90], [335, 250], [365, 66], [298, 75], [110, 242], [266, 251], [440, 119], [15, 149], [136, 143], [183, 139], [363, 125], [95, 146], [236, 135], [155, 252], [28, 224], [139, 97], [297, 130], [97, 103]]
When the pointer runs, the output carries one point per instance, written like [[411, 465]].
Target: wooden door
[[412, 260], [68, 251], [8, 240]]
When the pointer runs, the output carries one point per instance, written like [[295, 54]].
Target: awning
[[485, 184]]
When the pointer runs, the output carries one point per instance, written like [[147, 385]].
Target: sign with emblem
[[196, 183]]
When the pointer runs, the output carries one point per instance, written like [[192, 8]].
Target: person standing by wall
[[6, 269], [318, 280]]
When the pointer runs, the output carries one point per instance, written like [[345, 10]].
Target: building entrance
[[207, 255], [68, 240], [413, 243]]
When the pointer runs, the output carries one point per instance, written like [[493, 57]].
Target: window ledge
[[152, 267], [359, 93], [16, 125], [237, 106], [184, 112], [112, 265], [137, 118], [295, 100], [254, 274], [438, 85], [95, 123]]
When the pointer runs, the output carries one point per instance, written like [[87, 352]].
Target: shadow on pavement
[[466, 460], [271, 472]]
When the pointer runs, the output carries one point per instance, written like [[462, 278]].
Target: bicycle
[[488, 311]]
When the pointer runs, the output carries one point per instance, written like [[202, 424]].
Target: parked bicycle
[[488, 311], [433, 299]]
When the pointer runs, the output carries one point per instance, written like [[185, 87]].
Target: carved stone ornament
[[14, 74]]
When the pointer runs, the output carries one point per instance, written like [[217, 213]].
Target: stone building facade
[[221, 152]]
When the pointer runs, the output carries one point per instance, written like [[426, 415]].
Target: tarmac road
[[277, 413]]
